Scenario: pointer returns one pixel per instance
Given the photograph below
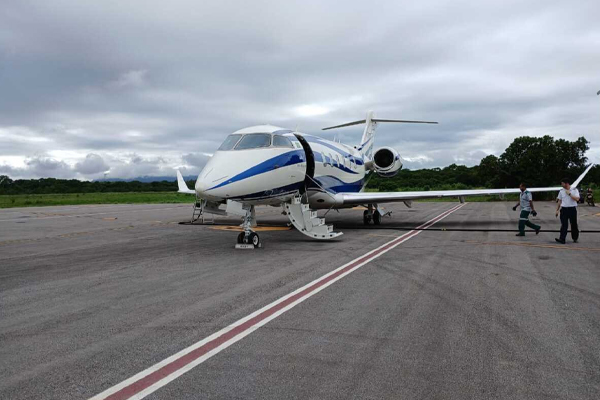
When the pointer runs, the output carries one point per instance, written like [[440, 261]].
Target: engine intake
[[386, 162]]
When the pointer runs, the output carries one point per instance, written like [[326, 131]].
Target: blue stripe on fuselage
[[336, 185], [271, 193], [333, 163], [315, 139], [282, 160]]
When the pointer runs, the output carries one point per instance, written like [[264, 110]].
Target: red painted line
[[166, 370]]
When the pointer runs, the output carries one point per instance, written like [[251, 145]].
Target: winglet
[[183, 188], [578, 181]]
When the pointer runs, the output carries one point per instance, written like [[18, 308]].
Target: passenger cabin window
[[230, 142], [254, 141], [281, 141]]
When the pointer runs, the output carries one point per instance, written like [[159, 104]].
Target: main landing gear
[[372, 214], [248, 239]]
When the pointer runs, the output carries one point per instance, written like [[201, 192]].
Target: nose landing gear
[[248, 239]]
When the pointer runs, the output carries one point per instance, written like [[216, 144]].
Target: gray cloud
[[39, 166], [149, 86], [92, 164], [197, 160], [47, 167]]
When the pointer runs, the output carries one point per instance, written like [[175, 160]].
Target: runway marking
[[153, 378], [259, 228], [545, 246]]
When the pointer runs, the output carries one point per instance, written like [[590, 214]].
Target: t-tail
[[368, 138]]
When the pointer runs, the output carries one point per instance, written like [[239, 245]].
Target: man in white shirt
[[567, 206]]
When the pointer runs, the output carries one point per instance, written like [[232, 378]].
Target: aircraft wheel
[[240, 238], [376, 218], [254, 239], [366, 218]]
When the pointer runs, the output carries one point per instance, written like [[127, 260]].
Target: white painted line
[[160, 374]]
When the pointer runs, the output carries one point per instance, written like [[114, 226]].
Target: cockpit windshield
[[237, 141], [254, 141], [281, 141], [230, 142]]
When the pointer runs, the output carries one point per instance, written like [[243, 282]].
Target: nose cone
[[201, 185], [207, 180], [204, 189], [203, 181]]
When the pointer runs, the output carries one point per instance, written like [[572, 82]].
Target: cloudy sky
[[134, 88]]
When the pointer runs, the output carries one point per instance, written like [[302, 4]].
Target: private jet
[[302, 173]]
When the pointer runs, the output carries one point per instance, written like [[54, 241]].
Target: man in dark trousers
[[567, 206], [526, 203]]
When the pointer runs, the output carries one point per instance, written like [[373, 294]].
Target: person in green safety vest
[[526, 203]]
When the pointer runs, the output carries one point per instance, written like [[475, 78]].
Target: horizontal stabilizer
[[362, 121], [182, 186], [404, 121]]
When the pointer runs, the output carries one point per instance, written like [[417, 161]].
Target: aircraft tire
[[254, 239], [240, 238], [376, 218], [366, 218]]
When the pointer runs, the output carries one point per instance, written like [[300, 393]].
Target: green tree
[[489, 171], [541, 161]]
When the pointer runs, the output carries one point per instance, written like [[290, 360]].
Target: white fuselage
[[275, 173]]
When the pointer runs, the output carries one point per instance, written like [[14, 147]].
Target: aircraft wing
[[182, 186], [389, 197]]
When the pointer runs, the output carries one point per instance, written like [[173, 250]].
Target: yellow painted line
[[359, 208], [545, 246], [109, 218], [256, 229]]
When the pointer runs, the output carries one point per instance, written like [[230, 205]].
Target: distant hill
[[147, 179]]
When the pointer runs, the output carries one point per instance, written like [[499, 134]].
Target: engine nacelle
[[386, 162]]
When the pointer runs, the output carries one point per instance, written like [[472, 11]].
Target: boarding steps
[[199, 213], [307, 221]]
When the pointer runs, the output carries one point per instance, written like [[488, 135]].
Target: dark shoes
[[537, 231], [520, 234], [560, 241]]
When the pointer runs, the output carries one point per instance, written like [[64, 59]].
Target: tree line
[[537, 161], [53, 185]]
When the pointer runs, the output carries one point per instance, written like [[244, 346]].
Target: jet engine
[[386, 162]]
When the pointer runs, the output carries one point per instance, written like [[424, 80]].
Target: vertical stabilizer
[[368, 137]]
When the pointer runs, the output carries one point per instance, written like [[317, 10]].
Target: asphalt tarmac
[[92, 295]]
